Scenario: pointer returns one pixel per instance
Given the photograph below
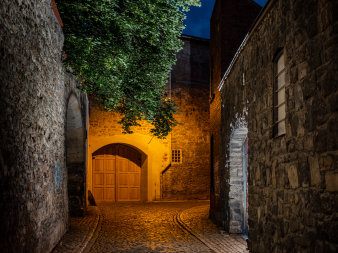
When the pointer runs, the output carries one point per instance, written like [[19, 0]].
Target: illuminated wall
[[189, 86], [104, 129]]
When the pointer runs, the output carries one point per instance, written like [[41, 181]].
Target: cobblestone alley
[[148, 227]]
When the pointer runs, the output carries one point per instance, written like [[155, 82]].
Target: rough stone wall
[[190, 89], [33, 174], [237, 181], [230, 22], [293, 178]]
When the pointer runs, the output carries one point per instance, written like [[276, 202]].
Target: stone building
[[230, 22], [42, 134], [138, 167], [44, 126], [279, 130]]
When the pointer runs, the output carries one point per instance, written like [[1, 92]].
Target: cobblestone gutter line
[[195, 221], [94, 235], [80, 233], [186, 228]]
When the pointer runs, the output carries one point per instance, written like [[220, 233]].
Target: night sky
[[198, 18]]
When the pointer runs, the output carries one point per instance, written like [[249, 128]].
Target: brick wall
[[292, 178]]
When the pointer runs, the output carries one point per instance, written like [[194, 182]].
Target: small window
[[279, 96], [176, 156]]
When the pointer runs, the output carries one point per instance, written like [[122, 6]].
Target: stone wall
[[33, 174], [104, 129], [190, 88], [293, 178], [230, 22], [237, 175]]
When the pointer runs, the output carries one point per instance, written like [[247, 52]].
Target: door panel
[[98, 193], [109, 193], [98, 164], [123, 180], [98, 179], [123, 194], [110, 179], [109, 164], [134, 194], [116, 173]]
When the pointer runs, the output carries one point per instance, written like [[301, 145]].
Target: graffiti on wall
[[58, 179]]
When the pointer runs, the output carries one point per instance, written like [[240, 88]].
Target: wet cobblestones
[[148, 227], [196, 221], [80, 232], [144, 227]]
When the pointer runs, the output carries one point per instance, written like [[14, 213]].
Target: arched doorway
[[75, 156], [118, 173], [238, 203]]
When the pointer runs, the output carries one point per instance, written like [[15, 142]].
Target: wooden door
[[128, 174], [116, 173]]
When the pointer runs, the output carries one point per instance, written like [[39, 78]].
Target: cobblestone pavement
[[196, 221], [144, 227], [148, 227], [80, 232]]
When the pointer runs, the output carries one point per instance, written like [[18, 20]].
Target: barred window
[[279, 96], [176, 156]]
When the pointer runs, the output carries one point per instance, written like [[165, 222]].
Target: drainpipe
[[161, 179], [169, 165]]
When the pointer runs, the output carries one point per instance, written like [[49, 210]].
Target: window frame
[[276, 104], [179, 154]]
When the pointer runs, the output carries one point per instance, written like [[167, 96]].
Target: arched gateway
[[238, 204], [76, 155], [117, 173]]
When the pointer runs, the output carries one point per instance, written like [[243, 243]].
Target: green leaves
[[124, 50]]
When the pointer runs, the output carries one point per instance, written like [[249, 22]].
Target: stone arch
[[75, 156], [110, 171], [238, 180]]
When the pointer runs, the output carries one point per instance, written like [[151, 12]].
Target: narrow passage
[[181, 226]]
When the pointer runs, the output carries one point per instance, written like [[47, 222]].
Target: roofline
[[257, 4], [185, 36], [253, 27]]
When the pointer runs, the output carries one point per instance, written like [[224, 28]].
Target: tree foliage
[[123, 50]]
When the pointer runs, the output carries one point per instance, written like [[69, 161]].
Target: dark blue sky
[[198, 18]]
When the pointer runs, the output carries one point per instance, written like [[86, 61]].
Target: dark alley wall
[[230, 22], [293, 178], [33, 97], [190, 89]]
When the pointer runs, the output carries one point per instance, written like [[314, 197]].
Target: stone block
[[314, 171], [326, 162], [331, 181], [292, 173]]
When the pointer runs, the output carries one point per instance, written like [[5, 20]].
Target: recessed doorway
[[117, 173]]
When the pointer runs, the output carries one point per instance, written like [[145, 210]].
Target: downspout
[[169, 165], [161, 179]]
